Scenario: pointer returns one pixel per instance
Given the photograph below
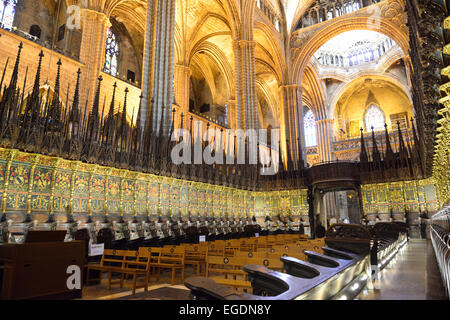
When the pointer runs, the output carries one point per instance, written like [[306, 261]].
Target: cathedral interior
[[273, 140]]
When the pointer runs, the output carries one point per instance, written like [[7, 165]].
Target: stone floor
[[101, 292], [412, 275]]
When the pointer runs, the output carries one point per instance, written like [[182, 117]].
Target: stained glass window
[[112, 53], [7, 13], [309, 123], [374, 117]]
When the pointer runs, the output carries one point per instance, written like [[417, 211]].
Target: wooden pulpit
[[40, 270]]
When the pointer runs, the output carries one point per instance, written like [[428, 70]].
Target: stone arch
[[276, 51], [340, 25], [353, 98], [247, 23], [317, 95], [218, 56], [388, 78], [262, 87]]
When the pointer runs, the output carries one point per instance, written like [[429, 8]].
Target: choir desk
[[39, 270]]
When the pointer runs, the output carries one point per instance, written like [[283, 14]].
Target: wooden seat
[[122, 262], [231, 246], [195, 255], [228, 272], [168, 258], [216, 248]]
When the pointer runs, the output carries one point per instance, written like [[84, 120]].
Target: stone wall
[[69, 67]]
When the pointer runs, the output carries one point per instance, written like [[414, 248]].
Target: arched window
[[7, 13], [309, 123], [374, 117], [112, 53]]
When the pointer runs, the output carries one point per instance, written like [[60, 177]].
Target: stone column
[[93, 44], [232, 114], [182, 84], [158, 73], [292, 113], [325, 139], [247, 105]]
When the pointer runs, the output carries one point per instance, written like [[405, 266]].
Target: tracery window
[[309, 123], [7, 13], [374, 117], [112, 53]]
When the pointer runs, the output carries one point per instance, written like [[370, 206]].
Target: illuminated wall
[[37, 184], [396, 197]]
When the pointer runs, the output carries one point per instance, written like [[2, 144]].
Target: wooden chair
[[122, 262], [138, 266], [220, 269], [231, 246], [195, 256], [168, 258], [247, 245], [111, 261], [271, 262], [216, 248]]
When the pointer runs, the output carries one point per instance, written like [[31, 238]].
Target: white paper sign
[[202, 238], [257, 235], [96, 249]]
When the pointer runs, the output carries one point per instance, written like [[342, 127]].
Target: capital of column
[[288, 86], [100, 16], [245, 43], [183, 68], [324, 121]]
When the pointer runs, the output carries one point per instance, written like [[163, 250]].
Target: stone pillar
[[93, 44], [292, 114], [247, 104], [325, 139], [232, 114], [158, 73], [182, 85]]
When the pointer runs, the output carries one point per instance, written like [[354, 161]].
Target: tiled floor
[[411, 275]]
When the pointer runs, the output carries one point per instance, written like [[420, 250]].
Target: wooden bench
[[216, 248], [221, 268], [272, 262], [122, 262], [195, 255], [168, 258]]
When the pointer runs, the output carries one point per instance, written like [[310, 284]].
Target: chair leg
[[173, 276], [109, 280], [182, 275], [87, 276], [134, 283], [146, 282], [122, 277]]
